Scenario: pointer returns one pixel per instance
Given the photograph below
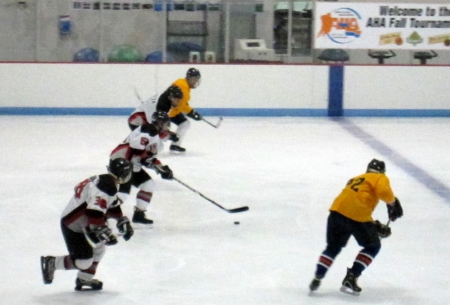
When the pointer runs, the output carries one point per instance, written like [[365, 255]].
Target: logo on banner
[[341, 25]]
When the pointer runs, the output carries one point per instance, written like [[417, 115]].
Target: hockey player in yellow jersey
[[177, 114], [351, 215]]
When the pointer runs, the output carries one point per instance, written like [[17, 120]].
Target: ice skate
[[48, 268], [176, 148], [349, 284], [140, 218], [315, 283], [93, 284]]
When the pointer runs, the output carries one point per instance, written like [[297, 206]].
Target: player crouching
[[85, 228]]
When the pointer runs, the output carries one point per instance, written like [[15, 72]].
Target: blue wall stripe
[[63, 111], [397, 112], [410, 168], [335, 90], [238, 112]]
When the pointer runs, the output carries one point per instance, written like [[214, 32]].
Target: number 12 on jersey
[[353, 183]]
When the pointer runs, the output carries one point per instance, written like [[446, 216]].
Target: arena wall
[[227, 90]]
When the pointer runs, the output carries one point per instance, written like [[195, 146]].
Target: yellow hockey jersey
[[183, 106], [360, 197]]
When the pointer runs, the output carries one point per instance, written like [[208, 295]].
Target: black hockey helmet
[[192, 72], [193, 78], [376, 166], [160, 119], [175, 91], [121, 169]]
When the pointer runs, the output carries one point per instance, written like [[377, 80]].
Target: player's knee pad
[[372, 249], [183, 127], [332, 250], [147, 186], [83, 264], [99, 252], [123, 196]]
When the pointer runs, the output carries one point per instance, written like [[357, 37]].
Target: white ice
[[287, 170]]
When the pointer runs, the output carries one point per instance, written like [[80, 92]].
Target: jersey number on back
[[79, 188], [354, 183]]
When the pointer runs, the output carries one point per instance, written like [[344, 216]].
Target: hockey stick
[[237, 210], [137, 94], [217, 124]]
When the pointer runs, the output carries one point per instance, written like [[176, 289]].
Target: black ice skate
[[48, 268], [93, 284], [139, 217], [315, 283], [349, 284], [176, 148]]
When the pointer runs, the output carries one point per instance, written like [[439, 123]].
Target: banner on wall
[[342, 25]]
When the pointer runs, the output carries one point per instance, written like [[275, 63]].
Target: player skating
[[163, 102], [177, 114], [351, 214], [141, 148], [85, 229]]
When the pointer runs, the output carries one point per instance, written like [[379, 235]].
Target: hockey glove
[[395, 211], [164, 171], [382, 230], [124, 227], [148, 163], [148, 160], [102, 234], [194, 115]]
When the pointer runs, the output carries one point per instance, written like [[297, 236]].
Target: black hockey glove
[[164, 171], [395, 211], [382, 229], [124, 227], [102, 234], [148, 162], [194, 115]]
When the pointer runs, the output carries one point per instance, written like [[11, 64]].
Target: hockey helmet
[[175, 92], [192, 72], [193, 77], [121, 169], [376, 166], [160, 119]]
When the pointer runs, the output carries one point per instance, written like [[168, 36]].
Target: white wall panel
[[396, 87], [112, 85]]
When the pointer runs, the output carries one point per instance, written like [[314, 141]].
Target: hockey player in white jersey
[[141, 148], [162, 102], [85, 228]]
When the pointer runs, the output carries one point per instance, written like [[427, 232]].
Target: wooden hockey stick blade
[[238, 210]]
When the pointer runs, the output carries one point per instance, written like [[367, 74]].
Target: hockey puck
[[236, 222]]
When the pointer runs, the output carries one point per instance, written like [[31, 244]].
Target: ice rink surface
[[287, 170]]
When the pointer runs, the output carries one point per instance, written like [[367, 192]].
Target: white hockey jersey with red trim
[[139, 148], [143, 113], [98, 193]]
